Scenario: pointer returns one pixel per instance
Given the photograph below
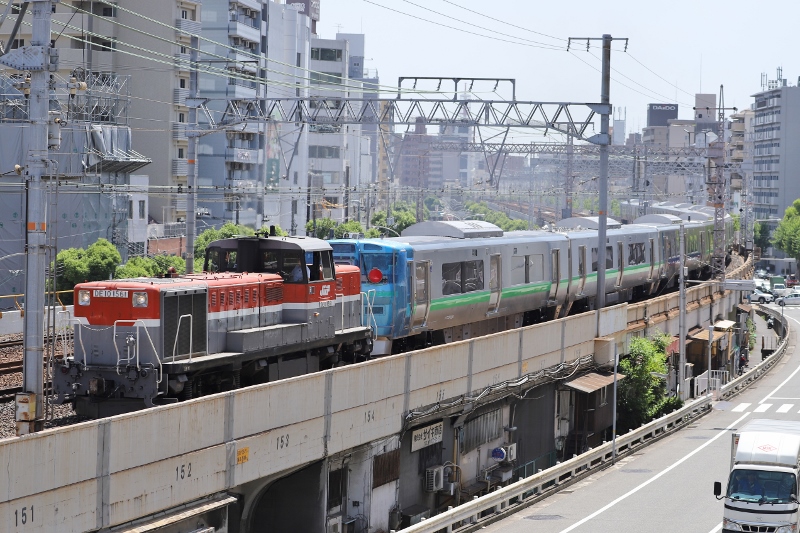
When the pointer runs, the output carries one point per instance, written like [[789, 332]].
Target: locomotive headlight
[[83, 298], [140, 299]]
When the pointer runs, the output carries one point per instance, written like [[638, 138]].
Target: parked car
[[760, 297], [791, 281], [790, 299], [780, 289], [761, 273], [762, 285]]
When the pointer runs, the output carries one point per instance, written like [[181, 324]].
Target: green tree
[[616, 210], [786, 236], [641, 394], [324, 226], [225, 232], [136, 267], [279, 231], [97, 262], [760, 236], [498, 218]]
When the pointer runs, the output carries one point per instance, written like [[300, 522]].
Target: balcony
[[187, 26], [255, 5], [179, 133], [236, 28], [243, 155], [180, 167], [737, 127], [241, 90], [179, 96]]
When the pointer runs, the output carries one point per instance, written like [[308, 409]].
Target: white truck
[[762, 487]]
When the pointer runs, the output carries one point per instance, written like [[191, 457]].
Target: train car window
[[327, 265], [269, 261], [609, 258], [473, 276], [636, 253], [451, 278], [293, 268], [536, 268], [518, 270]]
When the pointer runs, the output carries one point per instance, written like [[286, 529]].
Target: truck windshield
[[760, 486]]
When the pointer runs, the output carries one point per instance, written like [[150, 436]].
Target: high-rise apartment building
[[776, 157]]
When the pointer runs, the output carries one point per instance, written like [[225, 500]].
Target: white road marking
[[785, 408], [785, 381], [741, 407], [763, 407], [719, 527], [666, 470]]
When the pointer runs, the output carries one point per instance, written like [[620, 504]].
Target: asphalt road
[[667, 486]]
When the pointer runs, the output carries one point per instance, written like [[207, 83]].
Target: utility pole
[[682, 316], [191, 199], [37, 59], [603, 140]]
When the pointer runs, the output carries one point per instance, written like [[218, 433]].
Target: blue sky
[[675, 49]]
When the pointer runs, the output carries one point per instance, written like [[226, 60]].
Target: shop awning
[[724, 324], [592, 381], [745, 308]]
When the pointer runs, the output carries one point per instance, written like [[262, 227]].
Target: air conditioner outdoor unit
[[511, 452], [334, 525], [247, 12], [434, 478]]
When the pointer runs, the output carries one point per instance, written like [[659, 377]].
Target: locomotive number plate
[[110, 294], [327, 303]]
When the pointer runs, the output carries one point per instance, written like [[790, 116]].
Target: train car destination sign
[[427, 436]]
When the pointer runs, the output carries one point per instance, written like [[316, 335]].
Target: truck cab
[[762, 485]]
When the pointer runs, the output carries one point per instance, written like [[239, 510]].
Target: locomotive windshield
[[380, 261]]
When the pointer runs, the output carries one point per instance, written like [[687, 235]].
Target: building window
[[337, 487], [604, 396], [182, 82], [184, 50], [180, 153], [181, 117], [482, 429], [130, 209], [109, 12], [184, 14], [326, 78], [326, 54], [323, 152], [142, 214], [385, 468], [17, 43]]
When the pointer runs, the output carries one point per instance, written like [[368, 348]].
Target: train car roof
[[308, 244], [459, 229], [189, 280]]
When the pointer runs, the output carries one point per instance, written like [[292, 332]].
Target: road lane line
[[719, 526], [785, 381], [763, 407], [785, 407], [741, 407], [666, 470]]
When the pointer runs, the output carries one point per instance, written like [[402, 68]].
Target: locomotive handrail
[[368, 298], [138, 324], [177, 332], [77, 322]]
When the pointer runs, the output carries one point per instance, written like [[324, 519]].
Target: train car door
[[422, 293], [495, 281], [652, 259], [620, 263], [581, 268]]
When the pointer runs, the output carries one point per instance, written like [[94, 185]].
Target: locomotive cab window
[[319, 266], [381, 261], [269, 261], [293, 268], [219, 260]]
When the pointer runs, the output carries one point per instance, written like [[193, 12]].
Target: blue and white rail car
[[386, 284]]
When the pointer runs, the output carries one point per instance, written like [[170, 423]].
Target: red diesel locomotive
[[147, 341]]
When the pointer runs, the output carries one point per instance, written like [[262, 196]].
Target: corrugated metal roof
[[724, 324], [592, 381], [745, 307], [702, 335]]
